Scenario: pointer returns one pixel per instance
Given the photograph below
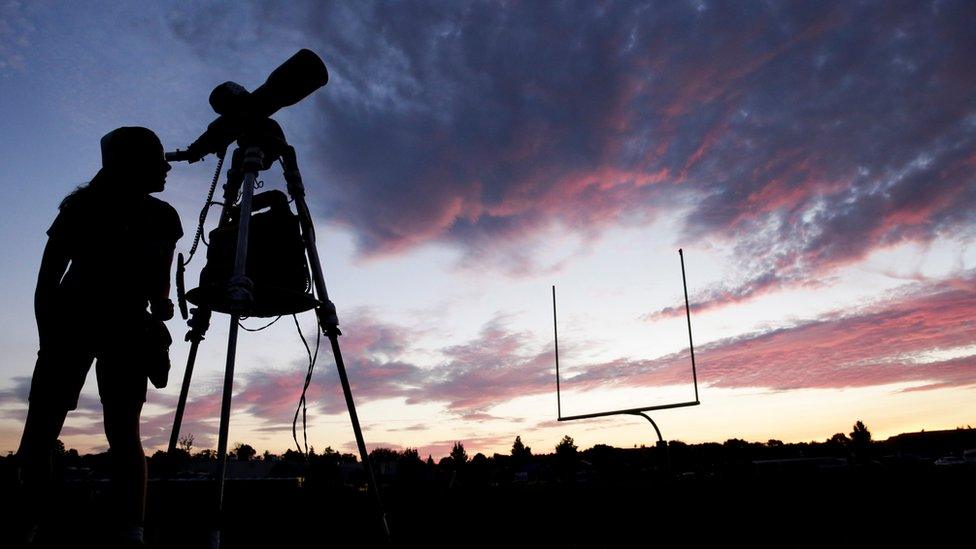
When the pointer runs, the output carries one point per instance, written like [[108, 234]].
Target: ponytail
[[102, 184]]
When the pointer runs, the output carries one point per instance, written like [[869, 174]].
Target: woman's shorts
[[60, 373]]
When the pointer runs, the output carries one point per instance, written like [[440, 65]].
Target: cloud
[[16, 31], [877, 345], [804, 135], [495, 367], [15, 394], [414, 427]]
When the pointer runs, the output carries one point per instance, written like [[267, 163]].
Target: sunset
[[814, 161]]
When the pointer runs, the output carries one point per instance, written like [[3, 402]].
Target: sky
[[814, 160]]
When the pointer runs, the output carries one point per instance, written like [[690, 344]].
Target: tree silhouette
[[567, 455], [566, 448], [186, 442], [521, 454], [384, 454], [520, 451], [860, 436], [860, 441], [409, 465], [243, 452], [458, 454], [410, 454], [839, 439]]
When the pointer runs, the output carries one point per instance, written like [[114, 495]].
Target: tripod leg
[[224, 428], [198, 328], [328, 319], [174, 436], [239, 293], [333, 334]]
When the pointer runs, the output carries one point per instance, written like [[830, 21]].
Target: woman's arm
[[53, 265], [159, 302]]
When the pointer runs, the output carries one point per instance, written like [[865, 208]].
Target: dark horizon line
[[11, 453]]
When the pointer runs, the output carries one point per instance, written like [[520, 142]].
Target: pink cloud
[[872, 346]]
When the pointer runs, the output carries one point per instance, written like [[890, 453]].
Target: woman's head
[[133, 158], [133, 164]]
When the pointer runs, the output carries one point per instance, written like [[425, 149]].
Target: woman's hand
[[162, 309]]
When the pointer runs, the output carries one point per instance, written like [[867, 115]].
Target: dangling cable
[[268, 325], [206, 209], [308, 380]]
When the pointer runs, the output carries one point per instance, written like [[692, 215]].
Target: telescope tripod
[[248, 160]]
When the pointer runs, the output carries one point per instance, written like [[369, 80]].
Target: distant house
[[934, 444]]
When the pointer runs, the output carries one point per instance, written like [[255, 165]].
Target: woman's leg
[[41, 430], [128, 460]]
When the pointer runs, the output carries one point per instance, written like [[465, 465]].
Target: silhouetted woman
[[116, 243]]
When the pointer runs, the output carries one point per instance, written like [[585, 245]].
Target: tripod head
[[265, 134], [243, 113]]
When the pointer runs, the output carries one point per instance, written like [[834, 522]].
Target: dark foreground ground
[[852, 506]]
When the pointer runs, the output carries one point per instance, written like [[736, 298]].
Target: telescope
[[260, 255], [240, 110]]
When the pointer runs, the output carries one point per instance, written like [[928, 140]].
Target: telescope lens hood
[[294, 80]]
